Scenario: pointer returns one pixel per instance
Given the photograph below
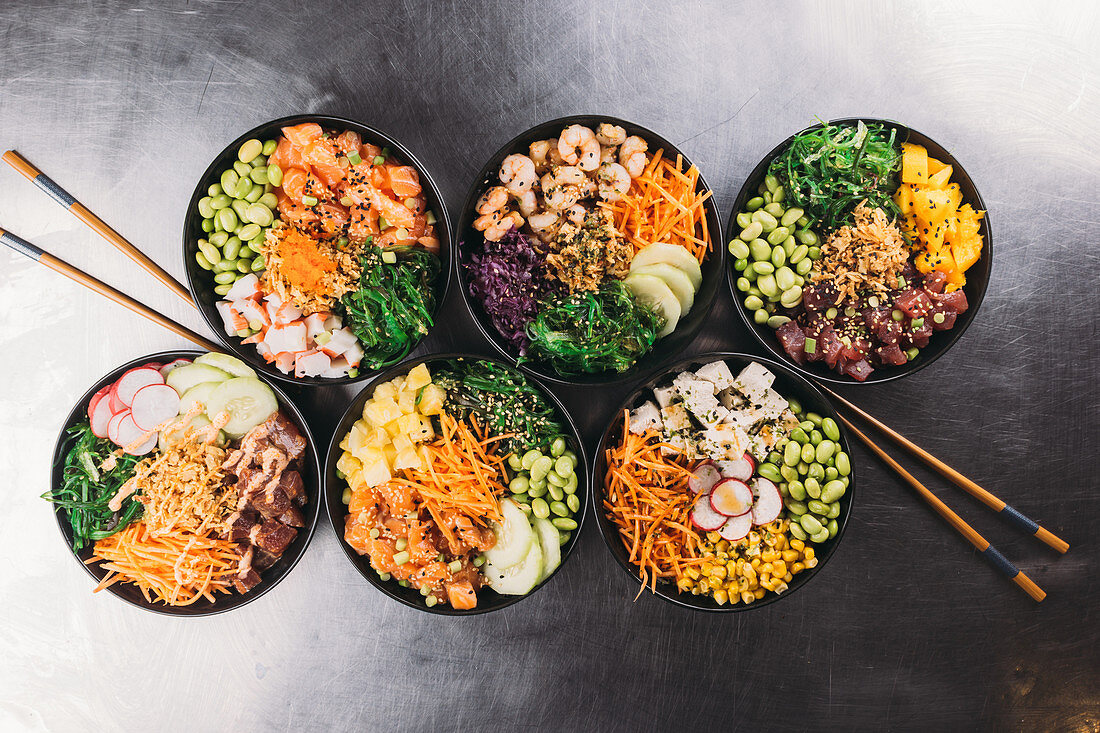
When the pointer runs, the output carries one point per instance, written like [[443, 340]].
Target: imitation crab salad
[[459, 477], [184, 480], [850, 265], [721, 486], [592, 249], [323, 250]]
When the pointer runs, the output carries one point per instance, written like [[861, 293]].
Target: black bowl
[[201, 282], [977, 277], [787, 383], [488, 599], [311, 475], [668, 347]]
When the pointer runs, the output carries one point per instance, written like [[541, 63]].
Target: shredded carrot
[[177, 569], [648, 499], [664, 205]]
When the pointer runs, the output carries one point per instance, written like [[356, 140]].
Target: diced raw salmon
[[320, 152], [349, 141], [461, 595], [404, 181], [301, 135], [294, 183]]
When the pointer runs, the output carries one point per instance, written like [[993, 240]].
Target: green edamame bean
[[529, 458], [555, 479], [222, 289], [559, 508], [775, 209], [779, 194], [777, 321], [791, 216], [810, 524], [808, 452], [563, 467], [743, 284], [249, 150], [541, 467], [831, 473], [769, 471], [753, 303], [788, 472], [274, 175], [813, 488], [523, 499], [739, 249], [231, 248], [228, 218], [817, 507], [573, 502], [215, 189], [255, 194], [744, 219], [564, 523], [255, 243], [777, 235], [205, 208], [789, 245], [796, 507], [821, 536], [800, 436], [557, 493], [779, 258], [751, 232], [242, 169], [803, 267], [229, 181], [258, 264], [754, 203], [797, 490], [225, 277], [219, 202], [834, 510], [814, 418], [775, 457], [767, 285], [760, 317], [243, 266], [791, 297], [207, 225], [807, 237], [240, 208], [259, 214], [514, 462], [766, 221], [519, 485], [537, 489], [740, 265], [762, 268], [816, 437], [843, 463], [203, 262], [815, 253], [799, 254], [540, 508], [210, 252], [797, 532], [244, 186], [571, 483], [224, 266], [771, 182], [557, 447], [817, 471], [825, 450], [784, 276], [792, 454], [269, 147], [832, 491], [833, 528], [249, 231], [830, 428]]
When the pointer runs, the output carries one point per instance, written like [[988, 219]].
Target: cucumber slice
[[198, 393], [514, 537], [549, 539], [184, 378], [653, 292], [518, 579], [248, 401], [671, 254], [677, 282], [174, 432], [231, 365]]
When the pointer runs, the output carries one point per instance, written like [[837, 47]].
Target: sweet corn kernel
[[765, 569], [808, 554], [720, 597], [780, 587], [724, 546], [779, 568], [782, 543], [743, 584], [749, 572], [719, 572], [754, 538], [755, 563], [769, 555], [731, 568], [812, 562], [788, 578], [684, 584], [714, 536], [747, 596], [692, 573], [706, 568], [704, 586], [797, 567], [758, 593], [740, 563], [767, 583], [790, 555], [798, 545]]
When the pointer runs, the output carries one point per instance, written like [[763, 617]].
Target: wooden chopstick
[[1013, 515], [77, 209], [24, 247], [988, 551]]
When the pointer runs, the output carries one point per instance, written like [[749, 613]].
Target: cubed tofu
[[386, 390], [717, 373], [699, 398], [646, 416], [772, 404], [418, 377], [380, 412], [724, 443], [676, 419], [431, 400], [731, 399], [753, 381], [664, 396]]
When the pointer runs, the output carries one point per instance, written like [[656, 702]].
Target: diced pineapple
[[378, 438], [344, 442], [416, 427], [380, 412], [357, 437], [406, 400], [376, 472], [402, 442], [431, 400], [355, 479], [398, 384], [407, 459], [347, 463], [418, 377], [390, 452], [386, 390]]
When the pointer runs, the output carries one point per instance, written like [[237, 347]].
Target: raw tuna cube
[[914, 302], [858, 370], [793, 341]]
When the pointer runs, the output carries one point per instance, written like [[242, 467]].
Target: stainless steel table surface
[[906, 628]]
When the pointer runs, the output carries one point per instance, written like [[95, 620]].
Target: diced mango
[[967, 252], [934, 166], [914, 163], [903, 197], [925, 262], [941, 178], [955, 280], [955, 194], [418, 377], [932, 207]]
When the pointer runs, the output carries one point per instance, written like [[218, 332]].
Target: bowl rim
[[328, 121], [80, 409], [545, 373], [951, 337], [656, 377], [333, 487]]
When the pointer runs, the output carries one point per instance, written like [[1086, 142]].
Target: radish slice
[[704, 517], [172, 365], [128, 432], [741, 469], [114, 401], [130, 382], [704, 478], [101, 416], [95, 400], [112, 425], [153, 365], [768, 502], [153, 405], [736, 528], [731, 497]]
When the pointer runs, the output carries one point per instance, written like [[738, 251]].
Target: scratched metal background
[[907, 628]]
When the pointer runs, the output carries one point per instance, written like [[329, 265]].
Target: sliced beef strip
[[274, 536], [246, 582], [292, 517], [240, 526], [284, 434]]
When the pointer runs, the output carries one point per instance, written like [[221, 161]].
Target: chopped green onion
[[403, 583], [323, 338], [811, 346], [378, 160], [425, 591], [353, 372], [346, 201], [454, 566], [255, 325], [375, 533], [938, 317], [430, 601], [479, 561], [402, 233], [309, 200], [244, 333], [401, 544], [430, 218], [389, 257], [917, 323], [897, 315], [342, 241], [384, 576], [401, 557], [355, 159]]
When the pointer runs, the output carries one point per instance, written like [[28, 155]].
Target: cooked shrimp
[[558, 197], [568, 175], [632, 155], [494, 199], [610, 135], [517, 173], [527, 202], [578, 146], [537, 152], [609, 154], [576, 214], [497, 231], [544, 225], [614, 181], [587, 188], [554, 157]]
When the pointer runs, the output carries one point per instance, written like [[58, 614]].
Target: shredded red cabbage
[[508, 278]]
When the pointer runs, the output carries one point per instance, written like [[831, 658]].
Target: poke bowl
[[723, 483], [589, 250], [160, 492], [318, 249], [457, 484], [859, 251]]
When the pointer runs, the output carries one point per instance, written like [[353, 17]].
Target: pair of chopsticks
[[81, 212], [1014, 516], [998, 560]]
